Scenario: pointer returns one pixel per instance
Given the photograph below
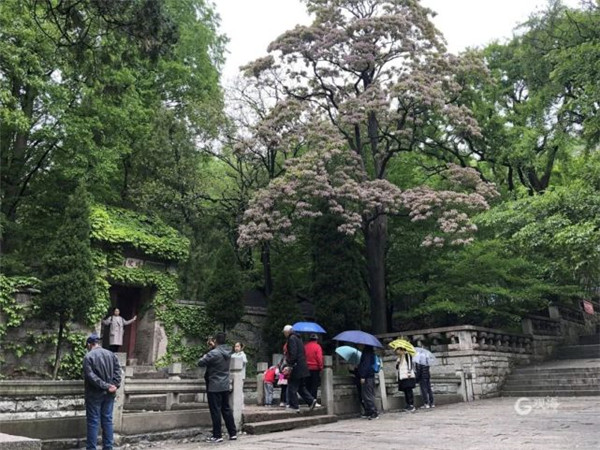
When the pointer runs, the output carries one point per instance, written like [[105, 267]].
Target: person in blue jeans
[[102, 378]]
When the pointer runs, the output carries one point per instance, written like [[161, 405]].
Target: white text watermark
[[525, 405]]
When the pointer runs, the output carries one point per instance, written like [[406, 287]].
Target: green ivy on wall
[[13, 314], [150, 235]]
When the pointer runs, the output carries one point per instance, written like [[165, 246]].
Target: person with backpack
[[406, 377], [366, 374]]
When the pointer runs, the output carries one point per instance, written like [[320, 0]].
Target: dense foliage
[[360, 167]]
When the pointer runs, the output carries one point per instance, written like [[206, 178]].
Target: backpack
[[377, 364]]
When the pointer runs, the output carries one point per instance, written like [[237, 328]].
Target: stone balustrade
[[541, 326], [465, 338]]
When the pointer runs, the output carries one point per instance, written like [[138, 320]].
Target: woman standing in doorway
[[117, 329]]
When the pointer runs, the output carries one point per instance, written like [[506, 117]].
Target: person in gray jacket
[[216, 362], [102, 377]]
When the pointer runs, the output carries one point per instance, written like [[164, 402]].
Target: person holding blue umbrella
[[366, 374], [296, 364]]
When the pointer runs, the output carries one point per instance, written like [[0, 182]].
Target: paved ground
[[559, 423]]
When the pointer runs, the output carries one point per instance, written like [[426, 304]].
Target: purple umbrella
[[358, 337]]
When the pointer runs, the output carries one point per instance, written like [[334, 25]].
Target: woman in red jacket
[[314, 361]]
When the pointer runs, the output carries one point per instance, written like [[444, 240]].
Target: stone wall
[[26, 400], [250, 332]]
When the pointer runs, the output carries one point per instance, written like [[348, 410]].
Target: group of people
[[297, 373], [408, 374]]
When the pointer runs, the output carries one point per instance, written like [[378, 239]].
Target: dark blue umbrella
[[308, 327], [358, 337]]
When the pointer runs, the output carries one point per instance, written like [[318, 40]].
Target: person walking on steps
[[298, 371]]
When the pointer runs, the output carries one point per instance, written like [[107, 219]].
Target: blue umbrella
[[350, 354], [358, 337], [308, 327]]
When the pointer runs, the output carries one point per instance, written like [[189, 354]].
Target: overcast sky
[[252, 24]]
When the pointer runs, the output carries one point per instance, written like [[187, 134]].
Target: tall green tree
[[68, 287], [224, 294]]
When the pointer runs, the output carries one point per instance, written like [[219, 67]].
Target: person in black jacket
[[296, 362], [424, 379], [367, 381], [217, 362]]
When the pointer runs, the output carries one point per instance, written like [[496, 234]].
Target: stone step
[[287, 424], [543, 386], [593, 339], [275, 413], [551, 393], [10, 442], [189, 405], [593, 350], [579, 355], [555, 378], [559, 372], [581, 382]]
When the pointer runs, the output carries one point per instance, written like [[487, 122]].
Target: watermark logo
[[525, 405]]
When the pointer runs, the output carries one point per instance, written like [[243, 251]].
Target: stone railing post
[[382, 389], [527, 325], [260, 378], [237, 397], [327, 398], [553, 312], [120, 397], [463, 385]]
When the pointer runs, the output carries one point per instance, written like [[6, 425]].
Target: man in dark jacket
[[423, 377], [296, 360], [216, 362], [102, 377], [366, 373]]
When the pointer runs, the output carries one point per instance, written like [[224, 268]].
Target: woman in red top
[[314, 361]]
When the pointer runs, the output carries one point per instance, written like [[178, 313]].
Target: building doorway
[[128, 300]]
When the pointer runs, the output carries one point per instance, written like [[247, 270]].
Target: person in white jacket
[[406, 377], [117, 329]]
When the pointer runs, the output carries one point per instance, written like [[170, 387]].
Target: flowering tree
[[375, 80]]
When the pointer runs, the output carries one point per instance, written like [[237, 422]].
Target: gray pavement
[[558, 423]]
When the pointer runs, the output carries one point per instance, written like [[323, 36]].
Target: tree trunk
[[265, 257], [59, 341], [375, 240]]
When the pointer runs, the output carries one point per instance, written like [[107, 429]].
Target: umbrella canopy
[[403, 343], [424, 357], [308, 327], [358, 337], [350, 354]]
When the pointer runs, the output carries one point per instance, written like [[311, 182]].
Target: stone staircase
[[261, 420], [574, 372]]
